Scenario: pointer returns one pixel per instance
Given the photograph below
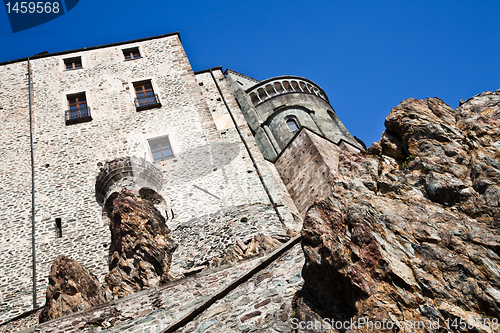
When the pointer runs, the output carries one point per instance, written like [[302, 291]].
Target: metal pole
[[249, 152], [32, 189]]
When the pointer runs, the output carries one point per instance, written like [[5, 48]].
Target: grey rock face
[[422, 245]]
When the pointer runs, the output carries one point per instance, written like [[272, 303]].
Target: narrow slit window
[[161, 149], [73, 63], [58, 227], [132, 53], [292, 125]]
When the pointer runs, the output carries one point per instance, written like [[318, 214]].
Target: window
[[73, 63], [78, 109], [145, 96], [58, 227], [77, 101], [160, 148], [132, 53], [292, 125]]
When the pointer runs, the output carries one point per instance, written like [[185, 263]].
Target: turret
[[277, 108]]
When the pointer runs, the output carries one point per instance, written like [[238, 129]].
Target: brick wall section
[[308, 166]]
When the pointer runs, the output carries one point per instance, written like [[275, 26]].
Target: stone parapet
[[140, 171]]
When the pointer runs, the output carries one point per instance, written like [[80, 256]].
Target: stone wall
[[263, 302], [308, 166], [223, 120], [15, 194], [211, 171]]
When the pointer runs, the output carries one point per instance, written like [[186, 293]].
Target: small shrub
[[408, 160]]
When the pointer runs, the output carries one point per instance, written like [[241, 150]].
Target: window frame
[[76, 97], [295, 121], [149, 97], [77, 102], [144, 91], [130, 52], [74, 62], [156, 142]]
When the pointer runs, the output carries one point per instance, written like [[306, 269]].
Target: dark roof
[[46, 54], [208, 70], [238, 73]]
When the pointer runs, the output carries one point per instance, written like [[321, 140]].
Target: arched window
[[292, 125]]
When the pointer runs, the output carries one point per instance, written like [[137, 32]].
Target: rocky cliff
[[142, 246], [72, 288], [409, 241], [141, 257]]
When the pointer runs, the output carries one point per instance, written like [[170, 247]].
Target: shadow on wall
[[201, 161]]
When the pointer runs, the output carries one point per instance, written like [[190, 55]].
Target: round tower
[[277, 108]]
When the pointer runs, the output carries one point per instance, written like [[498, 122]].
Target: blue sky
[[366, 55]]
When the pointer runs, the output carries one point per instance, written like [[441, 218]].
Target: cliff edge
[[409, 241]]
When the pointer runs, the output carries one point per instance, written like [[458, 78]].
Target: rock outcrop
[[259, 244], [410, 236], [142, 253], [72, 288], [142, 247]]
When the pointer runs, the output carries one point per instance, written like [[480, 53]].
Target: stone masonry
[[308, 167], [260, 304], [236, 186], [210, 171]]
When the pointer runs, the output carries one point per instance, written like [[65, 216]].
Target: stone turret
[[277, 108]]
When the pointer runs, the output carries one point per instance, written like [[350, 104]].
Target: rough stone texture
[[206, 242], [239, 251], [307, 167], [211, 240], [15, 204], [287, 199], [270, 292], [72, 288], [68, 158], [262, 304], [143, 173], [142, 246], [410, 233], [222, 122]]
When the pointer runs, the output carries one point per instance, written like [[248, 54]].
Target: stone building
[[210, 147]]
